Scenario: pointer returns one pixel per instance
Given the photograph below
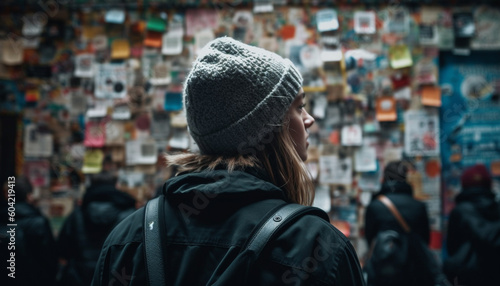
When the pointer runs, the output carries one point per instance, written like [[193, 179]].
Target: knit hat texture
[[476, 176], [235, 93]]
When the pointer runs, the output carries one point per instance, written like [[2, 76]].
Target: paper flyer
[[12, 51], [115, 16], [160, 126], [202, 38], [400, 57], [422, 132], [120, 49], [100, 42], [201, 19], [37, 144], [386, 108], [159, 98], [148, 61], [95, 134], [364, 22], [172, 43], [352, 135], [179, 139], [431, 96], [84, 65], [77, 103], [327, 20], [263, 6], [334, 170], [114, 132], [161, 74], [365, 159], [92, 161], [487, 26], [398, 20], [140, 152], [130, 179], [110, 81], [96, 111]]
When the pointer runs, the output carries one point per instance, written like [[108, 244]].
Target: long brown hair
[[278, 158]]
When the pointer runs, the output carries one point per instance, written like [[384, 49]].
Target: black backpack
[[397, 258], [389, 259]]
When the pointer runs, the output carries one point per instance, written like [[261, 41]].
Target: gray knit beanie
[[235, 93]]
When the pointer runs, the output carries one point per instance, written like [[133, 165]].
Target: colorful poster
[[470, 113]]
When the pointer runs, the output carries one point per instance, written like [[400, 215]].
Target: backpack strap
[[155, 264], [283, 216], [388, 203]]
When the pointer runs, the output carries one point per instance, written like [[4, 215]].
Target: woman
[[245, 110]]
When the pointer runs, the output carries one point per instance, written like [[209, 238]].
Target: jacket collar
[[396, 187], [222, 185]]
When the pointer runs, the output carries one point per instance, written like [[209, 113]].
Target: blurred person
[[35, 258], [473, 236], [379, 218], [83, 233], [245, 110], [400, 192]]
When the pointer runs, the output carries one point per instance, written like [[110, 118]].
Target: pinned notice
[[431, 96], [327, 20], [400, 57], [92, 161], [120, 49], [386, 108]]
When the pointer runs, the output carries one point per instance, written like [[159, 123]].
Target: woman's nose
[[308, 120]]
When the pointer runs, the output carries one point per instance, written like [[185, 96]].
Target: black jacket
[[378, 217], [85, 230], [473, 239], [36, 262], [209, 216]]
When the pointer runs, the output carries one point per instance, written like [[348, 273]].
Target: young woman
[[245, 110]]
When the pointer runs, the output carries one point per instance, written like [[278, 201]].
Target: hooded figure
[[473, 237], [34, 247], [84, 231]]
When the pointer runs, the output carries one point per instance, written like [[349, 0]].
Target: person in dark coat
[[35, 258], [245, 111], [378, 217], [84, 231], [473, 236], [395, 187]]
